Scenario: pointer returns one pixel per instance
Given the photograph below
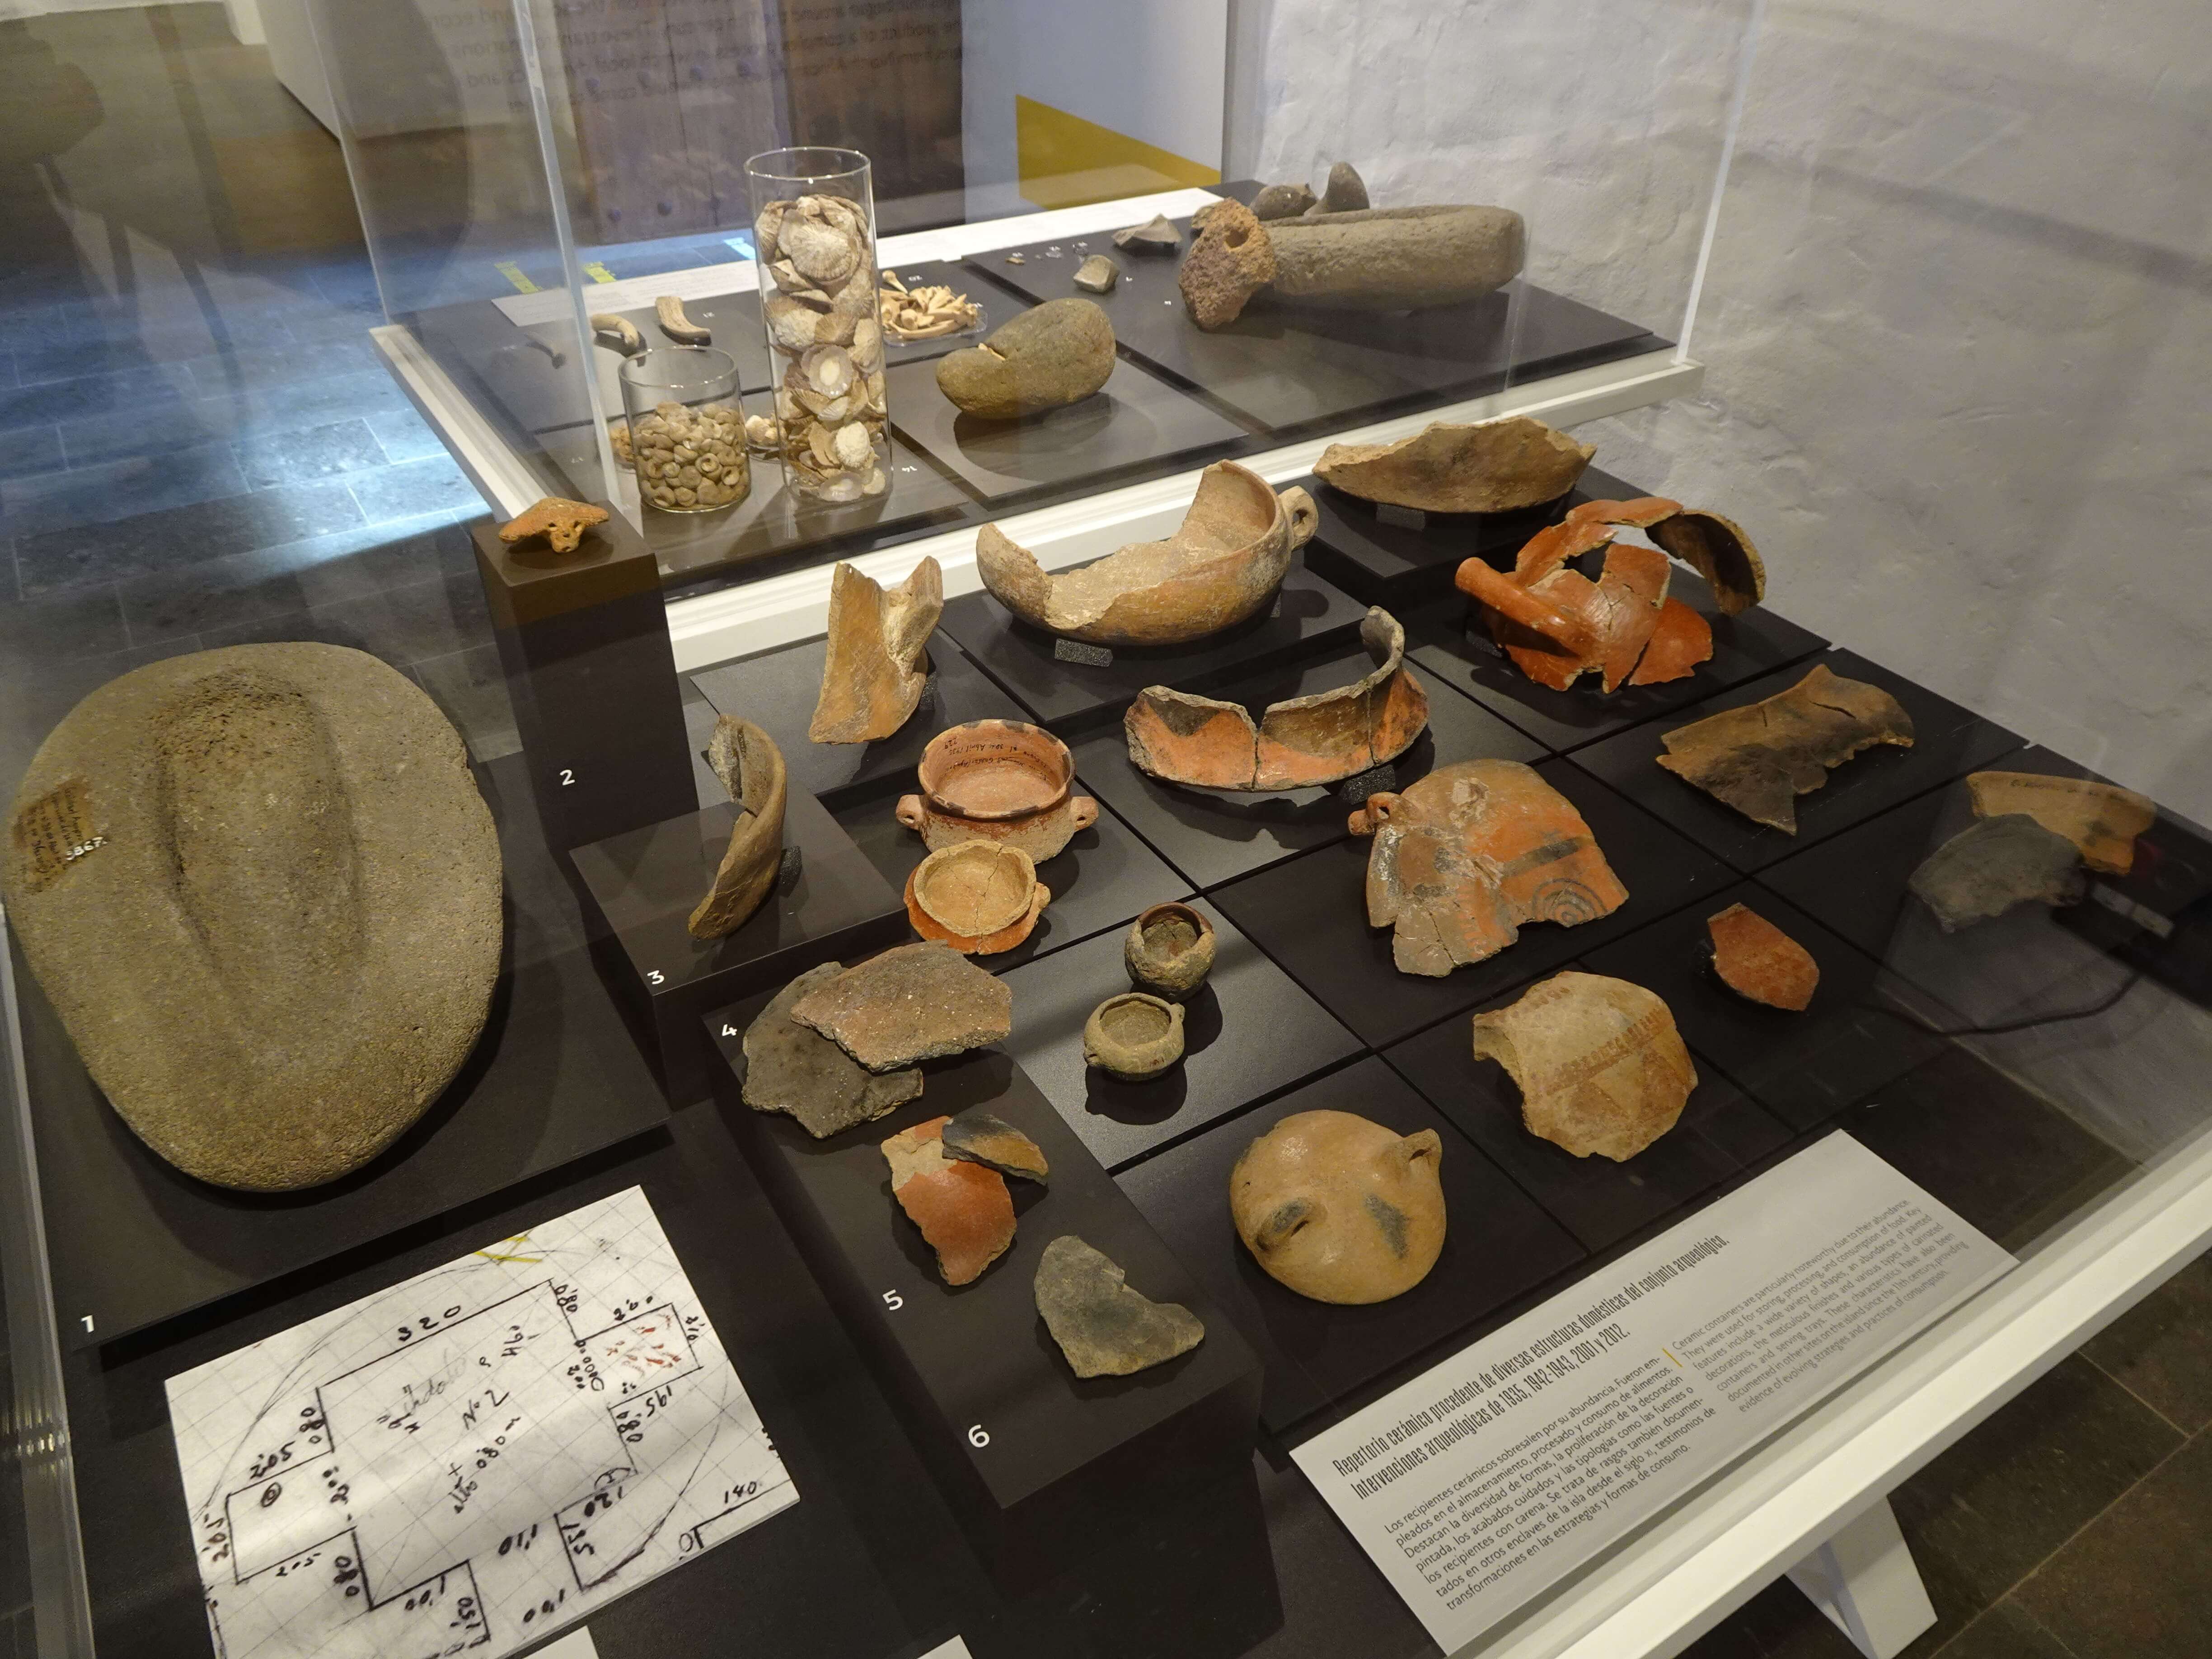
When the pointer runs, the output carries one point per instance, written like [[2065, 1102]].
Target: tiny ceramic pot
[[1134, 1037], [977, 896], [1169, 952], [997, 781]]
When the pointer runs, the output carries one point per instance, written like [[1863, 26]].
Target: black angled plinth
[[1031, 1457], [828, 904]]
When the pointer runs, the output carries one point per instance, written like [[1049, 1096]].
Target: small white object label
[[576, 1644], [1486, 1480]]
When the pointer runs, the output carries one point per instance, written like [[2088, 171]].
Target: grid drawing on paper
[[470, 1460]]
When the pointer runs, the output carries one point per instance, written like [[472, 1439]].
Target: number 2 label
[[568, 777]]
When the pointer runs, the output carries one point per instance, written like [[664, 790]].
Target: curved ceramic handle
[[1082, 811], [1369, 818], [1289, 1219], [1422, 1142], [909, 811], [1305, 517]]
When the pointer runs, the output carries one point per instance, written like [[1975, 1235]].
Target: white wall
[[1958, 320]]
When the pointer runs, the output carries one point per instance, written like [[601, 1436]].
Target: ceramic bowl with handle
[[997, 781]]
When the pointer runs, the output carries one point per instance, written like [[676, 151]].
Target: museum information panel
[[1479, 1484]]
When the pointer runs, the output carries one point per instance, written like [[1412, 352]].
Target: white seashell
[[844, 488], [821, 253], [790, 323], [853, 448], [875, 482], [829, 370], [768, 227], [867, 342]]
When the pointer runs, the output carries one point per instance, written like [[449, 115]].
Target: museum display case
[[1157, 962]]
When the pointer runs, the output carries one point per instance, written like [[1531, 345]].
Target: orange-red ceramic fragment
[[2101, 819], [1682, 640], [963, 1209], [1757, 960]]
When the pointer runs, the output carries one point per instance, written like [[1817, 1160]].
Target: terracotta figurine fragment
[[1985, 871], [981, 897], [1221, 567], [1103, 1327], [789, 1068], [913, 1002], [2101, 819], [1601, 1069], [1760, 963], [962, 1208], [1468, 854], [561, 523], [750, 766], [1169, 952], [878, 664], [1759, 758], [1339, 1209], [1055, 354], [1134, 1037], [1493, 466], [1294, 744], [997, 781], [982, 1137], [262, 893]]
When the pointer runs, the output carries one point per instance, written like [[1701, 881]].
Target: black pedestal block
[[1309, 615], [1034, 1460], [583, 637], [1391, 556], [1498, 1246], [828, 905]]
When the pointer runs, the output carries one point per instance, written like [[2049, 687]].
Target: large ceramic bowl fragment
[[1294, 744], [1222, 566], [261, 891]]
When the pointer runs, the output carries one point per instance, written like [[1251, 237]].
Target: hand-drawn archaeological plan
[[471, 1459]]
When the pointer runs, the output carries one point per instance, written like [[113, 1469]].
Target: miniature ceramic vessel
[[1134, 1037], [1340, 1208], [1169, 952], [978, 897], [997, 781]]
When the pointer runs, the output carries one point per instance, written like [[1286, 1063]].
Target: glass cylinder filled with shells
[[814, 237], [683, 433]]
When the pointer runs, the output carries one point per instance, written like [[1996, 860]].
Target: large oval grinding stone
[[261, 890]]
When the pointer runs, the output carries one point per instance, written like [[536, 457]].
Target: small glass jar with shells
[[815, 253]]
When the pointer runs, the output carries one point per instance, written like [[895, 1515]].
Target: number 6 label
[[976, 1437]]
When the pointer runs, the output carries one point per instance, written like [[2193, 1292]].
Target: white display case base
[[1864, 1578]]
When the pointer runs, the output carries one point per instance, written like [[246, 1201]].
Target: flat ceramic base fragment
[[914, 1002], [789, 1068], [876, 667], [1759, 758], [1494, 466], [750, 766], [1294, 744], [263, 893], [1601, 1069], [1760, 963], [1465, 856], [1103, 1327], [1340, 1208], [963, 1209], [982, 1137], [2101, 819], [1983, 870]]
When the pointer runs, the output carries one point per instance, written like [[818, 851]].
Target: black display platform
[[828, 904], [1803, 1067], [1387, 556], [1279, 366], [1104, 877], [555, 1076], [1310, 915], [1455, 642], [1948, 742], [734, 320], [1309, 613], [1248, 1033], [1212, 836], [1136, 420], [1028, 1455], [1721, 1133], [1497, 1247], [998, 308], [777, 691]]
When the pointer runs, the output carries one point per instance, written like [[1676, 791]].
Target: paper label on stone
[[1091, 656], [54, 831], [475, 1457]]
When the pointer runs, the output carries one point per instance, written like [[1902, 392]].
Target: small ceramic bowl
[[998, 780], [1169, 952], [1134, 1037], [977, 896]]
